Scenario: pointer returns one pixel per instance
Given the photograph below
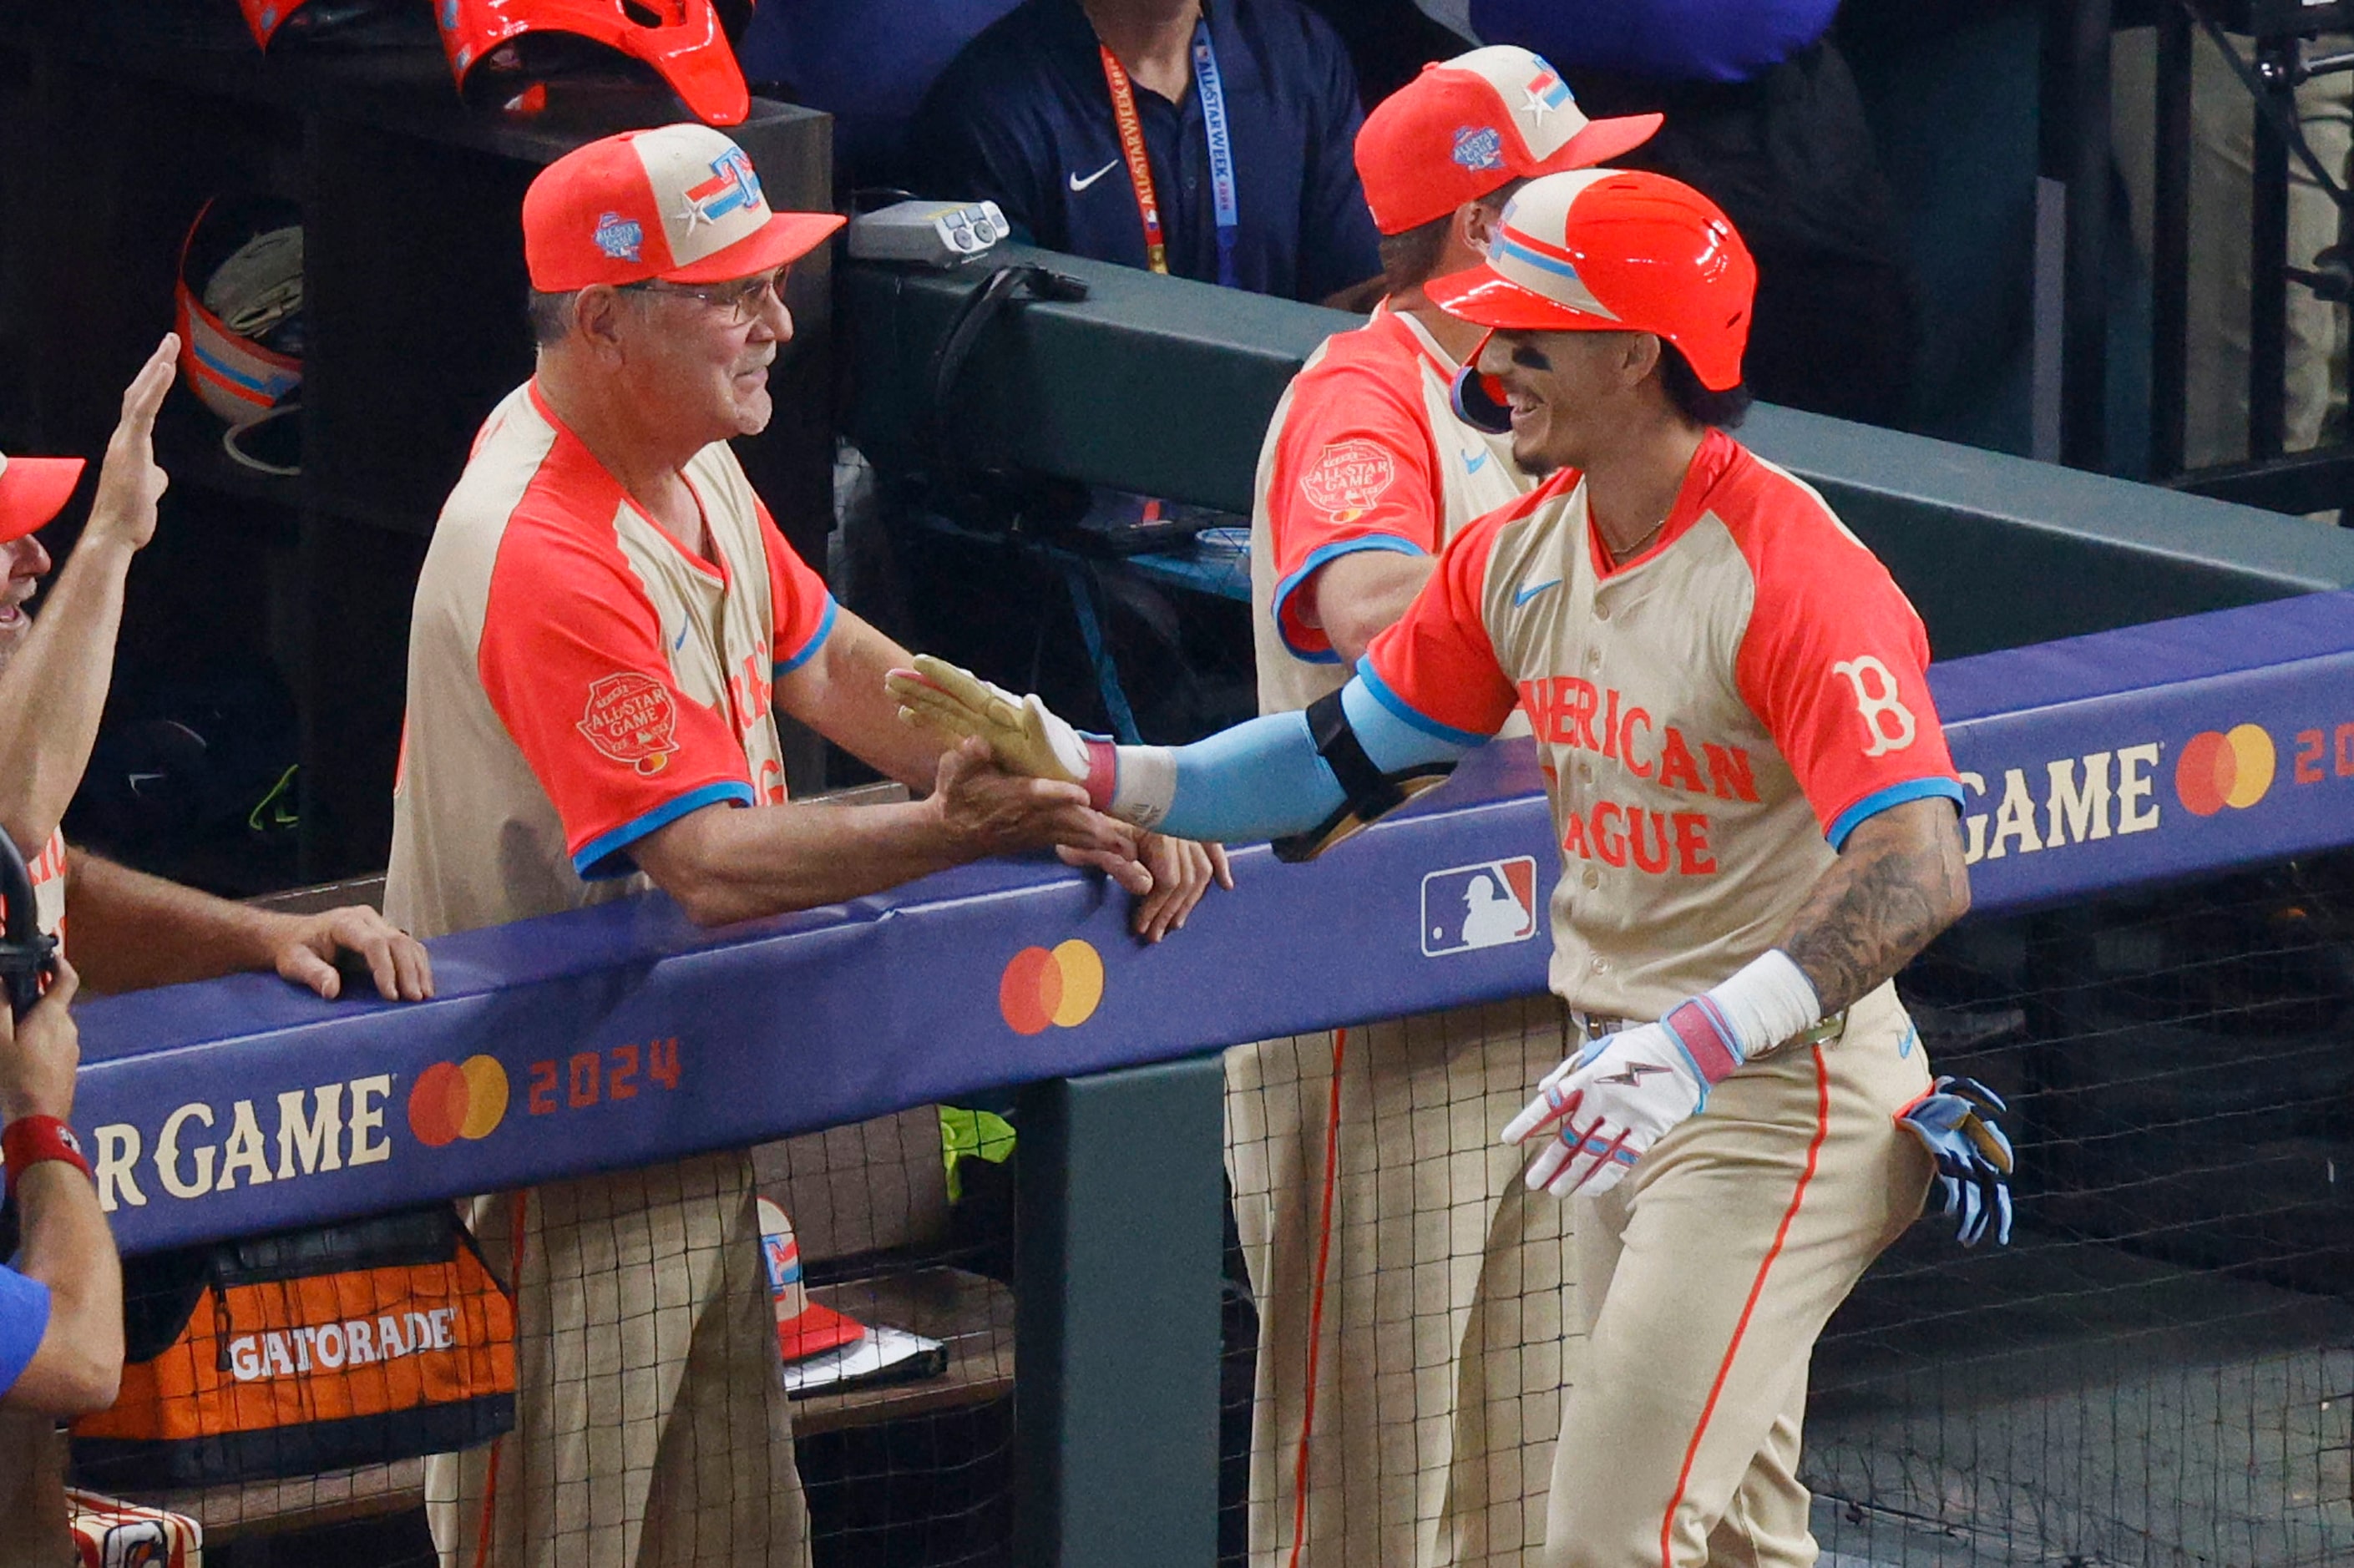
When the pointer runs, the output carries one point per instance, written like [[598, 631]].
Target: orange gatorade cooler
[[270, 1356]]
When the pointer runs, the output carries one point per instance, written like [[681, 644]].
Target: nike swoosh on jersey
[[1527, 594], [1078, 184], [1474, 461]]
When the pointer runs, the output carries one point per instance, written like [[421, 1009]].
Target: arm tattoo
[[1898, 881]]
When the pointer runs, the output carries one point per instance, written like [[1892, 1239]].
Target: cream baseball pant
[[1703, 1280], [651, 1427], [1428, 1297]]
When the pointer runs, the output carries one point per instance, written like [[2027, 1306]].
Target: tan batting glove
[[1024, 735]]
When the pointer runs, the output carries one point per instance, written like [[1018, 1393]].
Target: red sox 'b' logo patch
[[1347, 478], [630, 719]]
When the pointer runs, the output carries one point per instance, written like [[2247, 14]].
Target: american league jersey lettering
[[1713, 717], [578, 678]]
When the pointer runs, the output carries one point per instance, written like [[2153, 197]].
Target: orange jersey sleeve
[[1354, 469], [572, 659]]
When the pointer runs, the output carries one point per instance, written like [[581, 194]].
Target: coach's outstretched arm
[[1309, 778]]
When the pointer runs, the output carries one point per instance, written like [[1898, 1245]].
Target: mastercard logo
[[458, 1100], [1059, 985], [2231, 768]]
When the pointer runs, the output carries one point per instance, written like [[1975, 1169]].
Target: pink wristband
[[1103, 773]]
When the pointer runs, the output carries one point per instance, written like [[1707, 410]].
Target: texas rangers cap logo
[[630, 719], [732, 186], [1479, 147], [1545, 92]]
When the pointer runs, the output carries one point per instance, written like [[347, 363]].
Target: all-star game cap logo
[[1479, 147], [619, 238], [630, 719]]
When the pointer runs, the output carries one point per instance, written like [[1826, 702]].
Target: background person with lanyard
[[1207, 139]]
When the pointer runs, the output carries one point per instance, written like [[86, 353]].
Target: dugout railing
[[2095, 767]]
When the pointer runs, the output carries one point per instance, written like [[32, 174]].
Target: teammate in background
[[61, 1303], [604, 625], [1755, 809], [130, 930], [1428, 1372]]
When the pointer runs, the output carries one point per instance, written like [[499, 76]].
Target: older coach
[[604, 620]]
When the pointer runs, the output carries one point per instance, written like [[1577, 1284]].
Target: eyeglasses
[[739, 301]]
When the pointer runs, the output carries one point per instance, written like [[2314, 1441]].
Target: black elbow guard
[[1366, 792]]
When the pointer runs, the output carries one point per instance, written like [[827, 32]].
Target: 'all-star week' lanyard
[[1222, 154]]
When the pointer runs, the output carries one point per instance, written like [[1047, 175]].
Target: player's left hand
[[1605, 1107], [1955, 1122], [306, 947]]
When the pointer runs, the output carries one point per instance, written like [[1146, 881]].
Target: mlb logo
[[1490, 905]]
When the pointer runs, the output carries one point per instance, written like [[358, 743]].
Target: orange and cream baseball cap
[[680, 202], [1468, 125], [33, 490]]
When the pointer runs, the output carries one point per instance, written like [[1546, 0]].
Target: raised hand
[[129, 482]]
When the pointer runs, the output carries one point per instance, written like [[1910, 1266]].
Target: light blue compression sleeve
[[1263, 779]]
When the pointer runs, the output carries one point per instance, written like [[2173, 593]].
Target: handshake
[[1021, 733], [1168, 876]]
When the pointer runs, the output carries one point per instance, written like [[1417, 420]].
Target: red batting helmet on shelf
[[1614, 251], [500, 49], [239, 302]]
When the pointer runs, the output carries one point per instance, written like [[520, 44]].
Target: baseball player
[[1756, 810], [603, 624], [1405, 1389]]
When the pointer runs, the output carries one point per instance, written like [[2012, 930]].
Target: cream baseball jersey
[[1365, 454], [1713, 716], [578, 678]]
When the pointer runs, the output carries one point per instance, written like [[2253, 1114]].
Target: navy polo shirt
[[1023, 117]]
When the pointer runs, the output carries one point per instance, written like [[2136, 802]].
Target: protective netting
[[2160, 1370], [833, 1389]]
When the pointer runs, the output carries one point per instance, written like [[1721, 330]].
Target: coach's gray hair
[[550, 315]]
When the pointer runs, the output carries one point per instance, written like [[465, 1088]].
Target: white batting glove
[[1605, 1107]]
